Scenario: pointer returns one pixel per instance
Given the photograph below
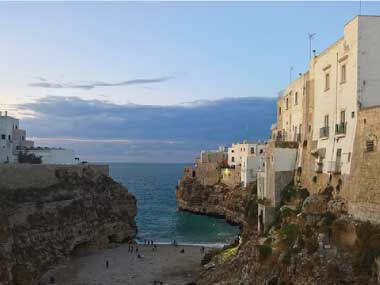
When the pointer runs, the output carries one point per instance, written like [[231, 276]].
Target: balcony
[[324, 132], [334, 167], [340, 129]]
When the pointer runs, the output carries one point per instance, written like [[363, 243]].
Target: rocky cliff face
[[312, 242], [42, 226], [216, 200]]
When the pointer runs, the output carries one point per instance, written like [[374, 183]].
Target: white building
[[238, 151], [346, 78], [11, 138], [250, 165]]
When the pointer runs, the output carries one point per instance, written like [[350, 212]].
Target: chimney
[[314, 52]]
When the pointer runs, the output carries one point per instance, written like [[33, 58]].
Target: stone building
[[207, 169]]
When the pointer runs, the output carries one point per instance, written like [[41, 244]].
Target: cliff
[[214, 200], [77, 209], [313, 241]]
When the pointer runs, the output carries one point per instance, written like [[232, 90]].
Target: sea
[[158, 218]]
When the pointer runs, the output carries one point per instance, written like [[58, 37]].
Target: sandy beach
[[166, 264]]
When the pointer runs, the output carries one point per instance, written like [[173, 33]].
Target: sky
[[66, 62]]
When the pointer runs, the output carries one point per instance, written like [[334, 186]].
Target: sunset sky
[[121, 55]]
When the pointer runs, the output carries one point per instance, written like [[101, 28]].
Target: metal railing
[[333, 166], [340, 129], [324, 132]]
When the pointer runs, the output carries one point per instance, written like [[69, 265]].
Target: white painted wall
[[284, 159], [7, 125], [341, 96], [369, 60], [238, 151], [249, 167]]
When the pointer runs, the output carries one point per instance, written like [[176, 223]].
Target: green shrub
[[290, 233], [251, 211], [210, 255], [264, 250], [311, 245]]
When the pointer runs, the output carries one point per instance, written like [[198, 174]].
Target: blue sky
[[156, 53]]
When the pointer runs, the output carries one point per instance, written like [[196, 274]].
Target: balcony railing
[[340, 129], [334, 166], [324, 132]]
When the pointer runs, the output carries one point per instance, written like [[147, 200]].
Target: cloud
[[131, 132], [43, 83]]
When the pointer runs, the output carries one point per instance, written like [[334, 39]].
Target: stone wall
[[14, 176], [362, 189], [231, 176]]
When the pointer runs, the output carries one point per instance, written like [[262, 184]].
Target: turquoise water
[[158, 218]]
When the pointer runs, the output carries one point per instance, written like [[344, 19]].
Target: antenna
[[290, 74], [360, 7], [311, 37]]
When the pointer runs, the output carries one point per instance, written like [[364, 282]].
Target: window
[[3, 137], [343, 73], [233, 159], [287, 103], [326, 121], [370, 145], [296, 99], [349, 157], [343, 116], [352, 114], [327, 81], [279, 111], [9, 137], [252, 150]]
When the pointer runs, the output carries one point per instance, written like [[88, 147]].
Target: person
[[137, 249], [107, 264], [202, 249], [182, 250]]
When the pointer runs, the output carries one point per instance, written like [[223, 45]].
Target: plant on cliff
[[251, 211], [264, 251]]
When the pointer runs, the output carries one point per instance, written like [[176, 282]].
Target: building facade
[[330, 113]]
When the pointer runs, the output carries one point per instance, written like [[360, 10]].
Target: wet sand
[[166, 264]]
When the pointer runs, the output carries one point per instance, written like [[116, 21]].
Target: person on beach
[[202, 249], [182, 250], [107, 264]]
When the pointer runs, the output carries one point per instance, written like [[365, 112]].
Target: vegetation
[[264, 250], [24, 157], [251, 211]]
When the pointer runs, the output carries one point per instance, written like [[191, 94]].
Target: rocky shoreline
[[40, 227], [312, 241]]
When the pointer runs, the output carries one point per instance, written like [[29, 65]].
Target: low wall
[[13, 176]]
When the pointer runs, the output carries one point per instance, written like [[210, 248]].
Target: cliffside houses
[[328, 127], [233, 166], [15, 148]]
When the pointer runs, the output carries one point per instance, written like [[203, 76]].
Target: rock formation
[[41, 226], [312, 243], [214, 200]]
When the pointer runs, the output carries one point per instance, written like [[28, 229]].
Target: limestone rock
[[40, 227]]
